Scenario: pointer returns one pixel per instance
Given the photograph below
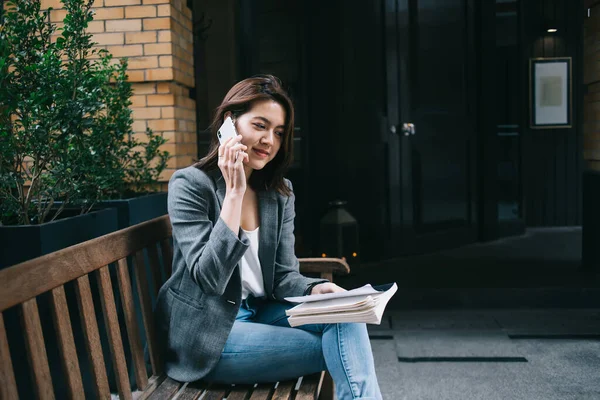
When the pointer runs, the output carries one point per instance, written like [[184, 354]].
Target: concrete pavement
[[488, 354]]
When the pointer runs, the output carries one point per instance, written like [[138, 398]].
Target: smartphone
[[226, 131]]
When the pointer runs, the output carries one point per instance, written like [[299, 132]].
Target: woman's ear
[[227, 114]]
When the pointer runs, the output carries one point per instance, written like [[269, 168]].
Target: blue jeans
[[262, 347]]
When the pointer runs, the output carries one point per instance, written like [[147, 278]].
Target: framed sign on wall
[[550, 93]]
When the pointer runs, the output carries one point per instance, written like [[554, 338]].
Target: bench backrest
[[21, 284]]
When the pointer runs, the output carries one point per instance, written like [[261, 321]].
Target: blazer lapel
[[267, 210], [221, 190]]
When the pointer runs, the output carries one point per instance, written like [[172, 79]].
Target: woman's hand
[[231, 157], [326, 287]]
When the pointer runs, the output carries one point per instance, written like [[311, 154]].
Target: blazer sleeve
[[211, 251], [288, 281]]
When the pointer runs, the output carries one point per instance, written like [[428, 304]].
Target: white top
[[252, 276]]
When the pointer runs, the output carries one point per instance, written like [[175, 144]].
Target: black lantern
[[339, 233]]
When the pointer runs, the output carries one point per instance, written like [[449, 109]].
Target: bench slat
[[8, 384], [262, 391], [153, 383], [147, 314], [239, 392], [167, 389], [36, 351], [155, 268], [91, 336], [284, 390], [114, 333], [133, 333], [311, 386], [216, 392], [167, 253], [31, 278], [66, 343], [192, 391]]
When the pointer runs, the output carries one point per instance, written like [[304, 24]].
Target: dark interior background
[[343, 65]]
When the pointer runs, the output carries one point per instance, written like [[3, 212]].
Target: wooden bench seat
[[145, 250], [309, 388]]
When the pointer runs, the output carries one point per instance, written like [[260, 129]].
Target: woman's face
[[262, 129]]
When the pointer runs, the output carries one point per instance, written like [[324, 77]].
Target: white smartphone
[[226, 131]]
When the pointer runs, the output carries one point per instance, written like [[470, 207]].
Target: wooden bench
[[22, 283]]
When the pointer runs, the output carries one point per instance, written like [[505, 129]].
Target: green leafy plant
[[65, 123]]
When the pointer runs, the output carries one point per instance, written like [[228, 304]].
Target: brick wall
[[591, 78], [156, 36]]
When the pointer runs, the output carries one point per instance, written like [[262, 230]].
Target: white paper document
[[367, 289], [365, 304]]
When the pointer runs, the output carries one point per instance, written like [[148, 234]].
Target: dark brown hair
[[239, 100]]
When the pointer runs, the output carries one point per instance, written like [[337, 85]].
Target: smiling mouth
[[261, 152]]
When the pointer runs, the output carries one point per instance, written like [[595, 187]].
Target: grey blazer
[[197, 305]]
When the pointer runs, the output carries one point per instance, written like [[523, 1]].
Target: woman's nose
[[269, 135]]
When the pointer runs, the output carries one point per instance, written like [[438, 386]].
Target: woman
[[222, 312]]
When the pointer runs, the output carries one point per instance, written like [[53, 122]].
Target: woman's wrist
[[231, 211], [233, 196]]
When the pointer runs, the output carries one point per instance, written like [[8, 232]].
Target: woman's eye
[[260, 126], [280, 134]]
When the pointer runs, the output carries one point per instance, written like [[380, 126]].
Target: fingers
[[332, 288], [327, 287], [235, 157], [228, 151], [232, 154], [229, 143], [239, 157], [339, 289]]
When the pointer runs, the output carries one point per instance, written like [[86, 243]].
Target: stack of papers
[[365, 304]]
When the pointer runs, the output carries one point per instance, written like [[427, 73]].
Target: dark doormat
[[455, 346], [549, 323]]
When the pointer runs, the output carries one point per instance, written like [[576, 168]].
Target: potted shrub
[[65, 133]]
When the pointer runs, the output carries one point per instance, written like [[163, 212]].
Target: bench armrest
[[325, 266]]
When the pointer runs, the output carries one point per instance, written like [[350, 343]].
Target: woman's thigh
[[273, 313], [259, 352]]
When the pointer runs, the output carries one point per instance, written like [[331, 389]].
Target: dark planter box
[[591, 221], [22, 243], [134, 210]]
